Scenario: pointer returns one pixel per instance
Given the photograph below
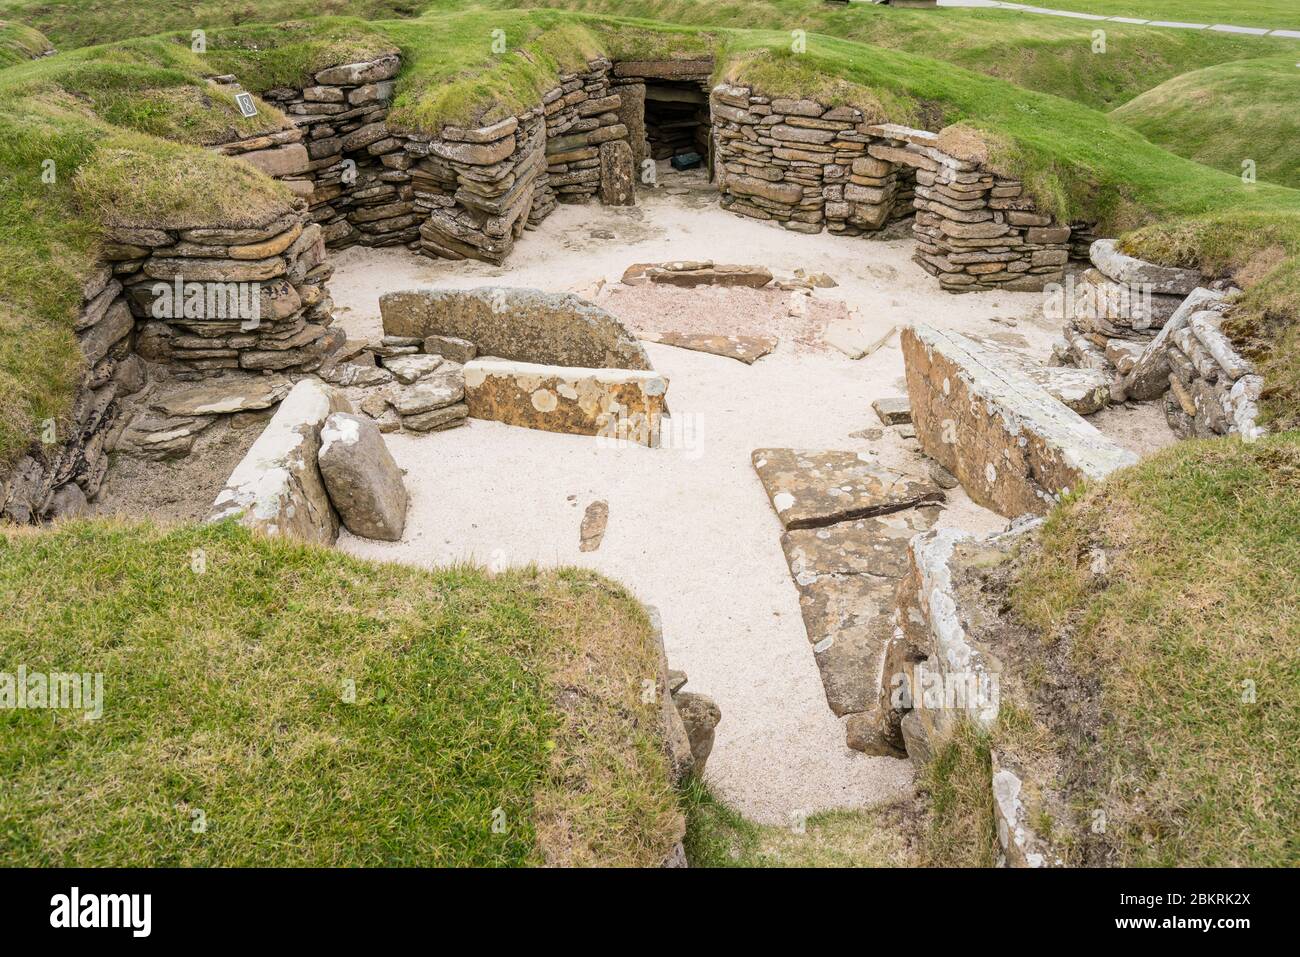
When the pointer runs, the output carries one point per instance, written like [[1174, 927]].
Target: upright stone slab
[[617, 174], [1015, 449], [363, 482], [524, 325], [277, 488]]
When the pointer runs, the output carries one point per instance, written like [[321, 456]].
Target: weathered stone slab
[[363, 482], [277, 488], [809, 489], [1014, 447], [746, 349], [225, 396], [621, 404], [1149, 377], [617, 174], [847, 575], [855, 338], [524, 325], [893, 410], [1120, 267], [689, 275]]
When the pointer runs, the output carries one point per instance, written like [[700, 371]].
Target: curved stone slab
[[523, 325]]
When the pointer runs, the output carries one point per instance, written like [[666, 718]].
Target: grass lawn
[[314, 709], [1275, 14], [1193, 635]]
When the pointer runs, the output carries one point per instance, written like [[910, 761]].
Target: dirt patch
[[791, 317], [184, 489]]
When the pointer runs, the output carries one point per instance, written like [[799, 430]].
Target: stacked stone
[[282, 263], [582, 115], [1213, 389], [477, 186], [343, 117], [64, 469], [805, 165], [974, 228]]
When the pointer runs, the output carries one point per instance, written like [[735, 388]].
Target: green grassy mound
[[312, 709], [1186, 648], [19, 43], [1042, 53], [1226, 114]]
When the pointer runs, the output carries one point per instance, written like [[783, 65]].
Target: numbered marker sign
[[246, 104]]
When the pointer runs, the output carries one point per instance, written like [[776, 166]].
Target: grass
[[80, 23], [959, 826], [322, 710], [1274, 14], [20, 43], [1226, 114], [717, 836], [1193, 636], [1046, 54]]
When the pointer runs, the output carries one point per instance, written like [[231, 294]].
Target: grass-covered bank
[[719, 837], [1228, 114], [1162, 658], [313, 709]]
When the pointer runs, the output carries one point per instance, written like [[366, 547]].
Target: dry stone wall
[[65, 466], [213, 299], [809, 167]]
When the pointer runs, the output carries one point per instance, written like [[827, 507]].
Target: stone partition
[[524, 325], [1014, 447]]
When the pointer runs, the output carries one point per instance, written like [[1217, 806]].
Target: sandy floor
[[690, 529]]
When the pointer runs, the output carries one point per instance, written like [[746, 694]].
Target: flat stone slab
[[523, 325], [846, 576], [893, 410], [689, 274], [1084, 390], [1122, 268], [809, 489], [618, 404], [1015, 448], [746, 349], [220, 397]]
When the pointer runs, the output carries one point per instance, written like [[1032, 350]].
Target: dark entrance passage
[[676, 120]]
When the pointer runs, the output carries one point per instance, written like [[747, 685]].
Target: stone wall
[[809, 167], [65, 466], [212, 299]]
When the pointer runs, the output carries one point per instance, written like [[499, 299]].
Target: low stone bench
[[1014, 447], [624, 404]]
